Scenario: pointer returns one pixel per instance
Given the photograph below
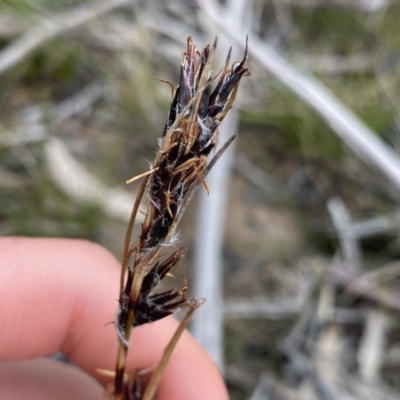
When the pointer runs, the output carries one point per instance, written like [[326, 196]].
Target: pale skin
[[59, 295]]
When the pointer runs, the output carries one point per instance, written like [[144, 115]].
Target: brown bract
[[200, 103]]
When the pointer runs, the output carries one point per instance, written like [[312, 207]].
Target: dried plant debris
[[200, 103]]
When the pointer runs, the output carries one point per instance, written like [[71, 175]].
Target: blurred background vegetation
[[80, 113]]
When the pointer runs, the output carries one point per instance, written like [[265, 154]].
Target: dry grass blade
[[129, 230], [180, 166], [155, 379]]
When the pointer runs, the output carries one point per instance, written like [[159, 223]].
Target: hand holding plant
[[59, 295]]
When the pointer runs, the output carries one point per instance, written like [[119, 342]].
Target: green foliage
[[30, 7], [35, 207], [22, 7], [329, 28], [388, 33], [297, 131], [294, 129]]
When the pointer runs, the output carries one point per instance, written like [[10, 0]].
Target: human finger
[[46, 379], [60, 294]]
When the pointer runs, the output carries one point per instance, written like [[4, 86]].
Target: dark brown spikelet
[[186, 142], [152, 307], [200, 103]]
